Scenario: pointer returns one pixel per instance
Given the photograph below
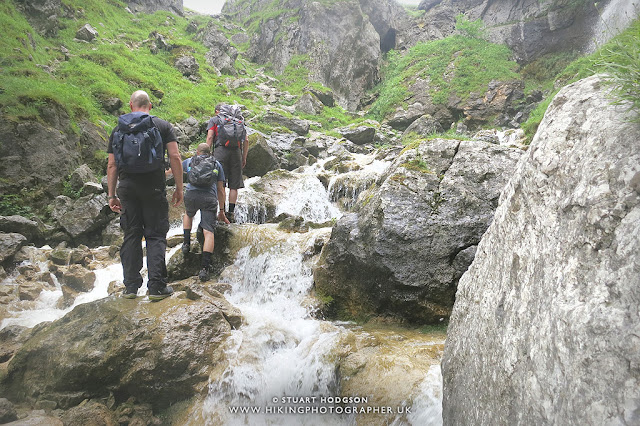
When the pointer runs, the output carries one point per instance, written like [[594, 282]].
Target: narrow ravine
[[286, 365]]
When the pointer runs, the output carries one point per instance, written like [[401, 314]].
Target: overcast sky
[[211, 7]]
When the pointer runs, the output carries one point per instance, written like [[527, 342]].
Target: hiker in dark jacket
[[233, 160], [205, 198], [141, 196]]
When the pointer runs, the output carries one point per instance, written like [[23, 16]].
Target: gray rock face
[[81, 216], [403, 252], [545, 325], [150, 6], [42, 15], [342, 46], [359, 135], [309, 104], [35, 154], [10, 244], [529, 28], [80, 176], [260, 157], [20, 225], [301, 127], [128, 347], [221, 54], [424, 126]]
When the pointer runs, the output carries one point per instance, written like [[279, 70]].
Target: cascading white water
[[281, 352]]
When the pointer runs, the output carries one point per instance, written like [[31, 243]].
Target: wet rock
[[60, 255], [179, 267], [394, 256], [31, 290], [77, 278], [10, 243], [87, 33], [82, 216], [7, 411], [359, 135], [159, 353], [37, 418], [92, 412], [21, 225], [260, 157], [549, 305], [112, 235], [81, 255]]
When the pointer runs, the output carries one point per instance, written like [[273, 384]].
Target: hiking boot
[[163, 293], [185, 249], [231, 217], [204, 274], [130, 293]]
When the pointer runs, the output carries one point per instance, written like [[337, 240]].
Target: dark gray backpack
[[202, 170]]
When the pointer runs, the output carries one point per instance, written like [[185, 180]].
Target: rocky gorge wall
[[531, 28], [414, 232], [545, 325]]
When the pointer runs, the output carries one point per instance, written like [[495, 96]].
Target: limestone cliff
[[545, 325], [341, 43]]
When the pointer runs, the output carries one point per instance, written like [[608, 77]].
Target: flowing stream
[[284, 365]]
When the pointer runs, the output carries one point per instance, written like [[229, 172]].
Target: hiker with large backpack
[[204, 192], [227, 135], [136, 171]]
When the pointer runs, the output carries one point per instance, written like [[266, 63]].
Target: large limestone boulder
[[10, 244], [82, 216], [545, 325], [21, 225], [261, 158], [415, 233], [158, 353]]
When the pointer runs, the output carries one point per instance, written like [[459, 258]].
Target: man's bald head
[[140, 101], [202, 149]]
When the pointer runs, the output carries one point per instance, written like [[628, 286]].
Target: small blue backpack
[[137, 144]]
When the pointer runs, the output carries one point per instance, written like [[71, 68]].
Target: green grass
[[619, 58], [456, 65]]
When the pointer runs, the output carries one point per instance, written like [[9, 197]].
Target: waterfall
[[614, 18], [284, 366]]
